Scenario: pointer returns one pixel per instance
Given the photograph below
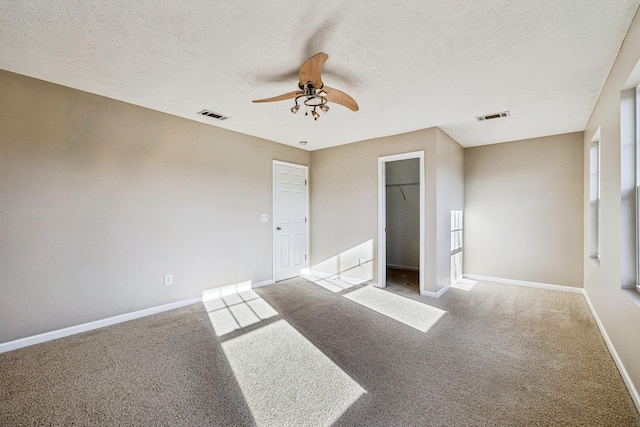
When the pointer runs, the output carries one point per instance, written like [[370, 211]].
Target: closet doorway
[[401, 225]]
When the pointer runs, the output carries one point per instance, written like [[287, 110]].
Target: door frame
[[305, 270], [382, 215]]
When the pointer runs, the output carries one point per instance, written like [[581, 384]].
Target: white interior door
[[289, 220]]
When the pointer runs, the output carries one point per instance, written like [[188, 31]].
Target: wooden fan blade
[[311, 70], [282, 97], [334, 95]]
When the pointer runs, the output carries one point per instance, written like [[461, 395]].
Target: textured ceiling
[[410, 65]]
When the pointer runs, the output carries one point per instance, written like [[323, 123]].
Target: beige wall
[[450, 196], [99, 199], [523, 210], [344, 208], [617, 308]]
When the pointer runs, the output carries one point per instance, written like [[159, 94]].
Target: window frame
[[456, 226], [637, 176], [637, 223], [595, 215], [630, 185]]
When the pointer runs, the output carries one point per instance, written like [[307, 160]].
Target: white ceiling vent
[[212, 114], [493, 116]]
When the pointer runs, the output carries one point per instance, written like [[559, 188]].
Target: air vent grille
[[212, 114], [493, 116]]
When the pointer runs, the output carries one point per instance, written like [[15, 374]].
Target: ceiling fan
[[312, 92]]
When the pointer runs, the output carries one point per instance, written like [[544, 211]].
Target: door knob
[[278, 228]]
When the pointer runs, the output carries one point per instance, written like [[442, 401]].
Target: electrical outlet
[[360, 262], [264, 218], [168, 279]]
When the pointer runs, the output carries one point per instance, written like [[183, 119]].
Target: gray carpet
[[497, 355]]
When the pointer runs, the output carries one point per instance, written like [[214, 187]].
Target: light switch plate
[[264, 218]]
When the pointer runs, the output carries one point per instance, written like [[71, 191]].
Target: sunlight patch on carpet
[[333, 284], [286, 380], [412, 313], [465, 284], [235, 307]]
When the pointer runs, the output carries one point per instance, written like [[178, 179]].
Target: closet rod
[[397, 185]]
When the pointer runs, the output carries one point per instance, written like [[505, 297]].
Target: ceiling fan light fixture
[[312, 93]]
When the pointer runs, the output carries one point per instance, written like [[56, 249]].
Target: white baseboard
[[435, 294], [403, 267], [72, 330], [612, 350], [616, 358], [524, 283], [322, 275], [263, 283]]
